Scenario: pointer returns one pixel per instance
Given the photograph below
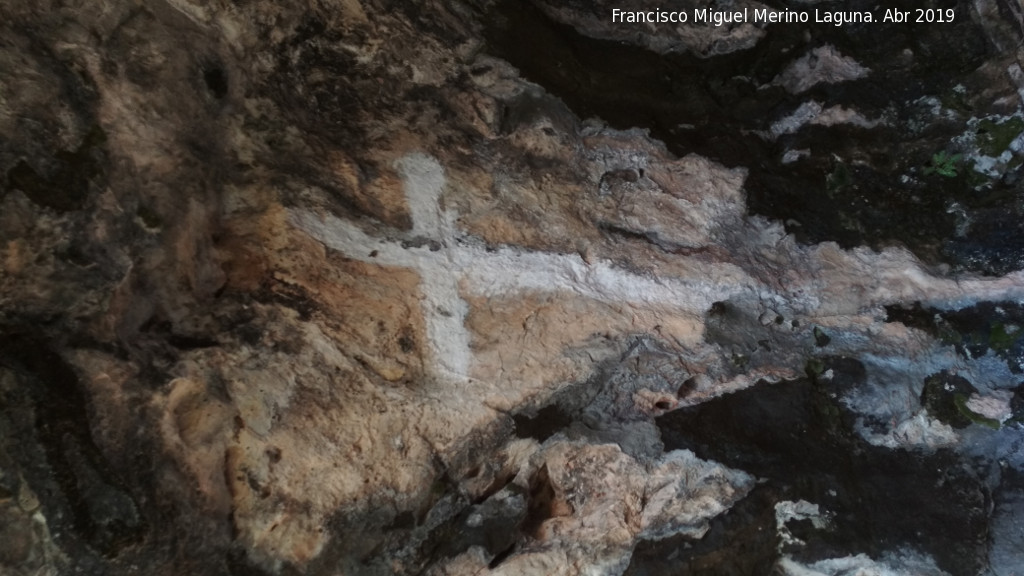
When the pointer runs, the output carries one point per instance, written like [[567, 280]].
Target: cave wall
[[339, 290]]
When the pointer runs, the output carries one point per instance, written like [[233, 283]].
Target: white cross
[[490, 273], [864, 280]]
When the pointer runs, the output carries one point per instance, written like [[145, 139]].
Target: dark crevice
[[100, 510], [799, 438], [494, 523], [850, 188], [543, 425], [184, 342], [216, 80], [501, 557], [287, 295], [542, 503], [501, 480], [66, 181], [687, 387]]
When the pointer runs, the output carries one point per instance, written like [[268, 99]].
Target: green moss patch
[[944, 397], [1002, 337], [994, 137]]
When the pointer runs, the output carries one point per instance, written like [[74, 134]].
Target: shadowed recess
[[849, 187], [800, 440]]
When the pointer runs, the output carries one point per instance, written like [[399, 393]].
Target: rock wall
[[336, 290]]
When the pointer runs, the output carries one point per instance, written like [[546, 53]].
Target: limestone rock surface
[[336, 290]]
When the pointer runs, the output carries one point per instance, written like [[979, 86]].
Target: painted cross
[[489, 273]]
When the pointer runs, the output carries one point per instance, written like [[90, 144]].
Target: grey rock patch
[[822, 65]]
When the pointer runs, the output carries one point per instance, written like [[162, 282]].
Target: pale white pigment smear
[[898, 564], [498, 273], [444, 313], [423, 181], [502, 272], [507, 270], [873, 278]]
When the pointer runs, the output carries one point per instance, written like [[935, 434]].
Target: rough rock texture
[[336, 290], [814, 111]]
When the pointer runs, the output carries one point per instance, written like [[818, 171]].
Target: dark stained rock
[[831, 181], [987, 327], [945, 397], [797, 438]]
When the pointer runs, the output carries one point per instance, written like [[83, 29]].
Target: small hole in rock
[[216, 81], [547, 422], [501, 557], [686, 388]]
